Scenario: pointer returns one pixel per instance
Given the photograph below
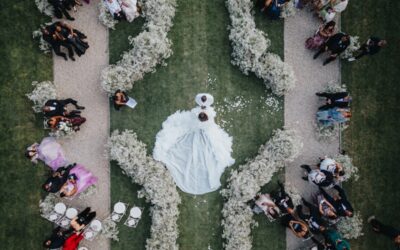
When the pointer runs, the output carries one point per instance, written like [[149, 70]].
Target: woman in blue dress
[[331, 116], [273, 8]]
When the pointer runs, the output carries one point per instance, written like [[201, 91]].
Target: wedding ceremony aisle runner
[[301, 104], [80, 80]]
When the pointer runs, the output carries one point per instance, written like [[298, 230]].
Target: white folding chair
[[135, 214]]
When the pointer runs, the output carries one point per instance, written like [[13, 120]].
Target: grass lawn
[[201, 62], [373, 136], [21, 63]]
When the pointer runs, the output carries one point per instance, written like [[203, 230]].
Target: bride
[[195, 150]]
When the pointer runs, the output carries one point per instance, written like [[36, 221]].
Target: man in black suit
[[55, 182], [57, 238], [341, 204], [336, 44], [60, 8], [57, 108], [56, 44], [335, 100]]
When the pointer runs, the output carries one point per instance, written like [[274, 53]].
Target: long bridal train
[[195, 150]]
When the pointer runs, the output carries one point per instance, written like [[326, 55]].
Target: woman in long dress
[[48, 151], [79, 180], [195, 150]]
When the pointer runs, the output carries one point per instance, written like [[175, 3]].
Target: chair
[[92, 230], [57, 213], [134, 216], [119, 211], [69, 215]]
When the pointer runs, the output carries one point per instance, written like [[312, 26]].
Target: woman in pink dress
[[79, 180], [324, 32], [48, 151]]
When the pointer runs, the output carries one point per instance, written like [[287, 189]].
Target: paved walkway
[[80, 80], [302, 103]]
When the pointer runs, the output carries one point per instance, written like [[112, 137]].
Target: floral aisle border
[[246, 182], [250, 47], [158, 187], [45, 7], [150, 48]]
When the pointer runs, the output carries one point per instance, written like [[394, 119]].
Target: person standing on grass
[[340, 203], [336, 44], [389, 231], [372, 46]]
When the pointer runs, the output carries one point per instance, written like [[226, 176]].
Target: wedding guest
[[66, 33], [332, 116], [327, 14], [320, 178], [57, 238], [335, 241], [339, 5], [332, 166], [326, 209], [265, 203], [340, 203], [120, 98], [115, 9], [313, 218], [48, 151], [56, 45], [283, 200], [324, 32], [335, 100], [370, 47], [55, 182], [131, 9], [79, 179], [72, 242], [83, 219], [335, 45], [273, 8], [55, 107], [298, 228], [389, 231], [61, 8]]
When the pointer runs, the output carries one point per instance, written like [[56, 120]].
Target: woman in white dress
[[195, 150]]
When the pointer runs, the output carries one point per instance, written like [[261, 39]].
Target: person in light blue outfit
[[273, 8], [331, 116]]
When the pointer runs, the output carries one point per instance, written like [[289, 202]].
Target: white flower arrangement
[[46, 206], [247, 181], [289, 9], [158, 187], [42, 92], [64, 129], [353, 47], [150, 48], [350, 170], [109, 229], [293, 193], [351, 227], [45, 7], [250, 47], [105, 16], [43, 45]]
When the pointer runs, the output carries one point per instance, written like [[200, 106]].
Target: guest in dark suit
[[335, 100], [336, 44], [58, 108], [57, 238], [370, 47], [61, 8], [56, 44], [54, 183], [389, 231]]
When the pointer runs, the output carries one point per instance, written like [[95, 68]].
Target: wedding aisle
[[80, 81], [301, 103]]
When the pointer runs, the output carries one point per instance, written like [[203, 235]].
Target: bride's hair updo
[[203, 117]]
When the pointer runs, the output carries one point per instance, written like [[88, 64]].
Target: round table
[[60, 208], [71, 213], [135, 212], [119, 208]]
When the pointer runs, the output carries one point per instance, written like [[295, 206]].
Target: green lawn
[[373, 136], [201, 62], [21, 63]]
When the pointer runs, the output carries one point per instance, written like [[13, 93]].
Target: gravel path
[[80, 81], [302, 103]]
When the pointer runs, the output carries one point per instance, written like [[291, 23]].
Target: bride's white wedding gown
[[196, 153]]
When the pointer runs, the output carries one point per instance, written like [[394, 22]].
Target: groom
[[204, 100]]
